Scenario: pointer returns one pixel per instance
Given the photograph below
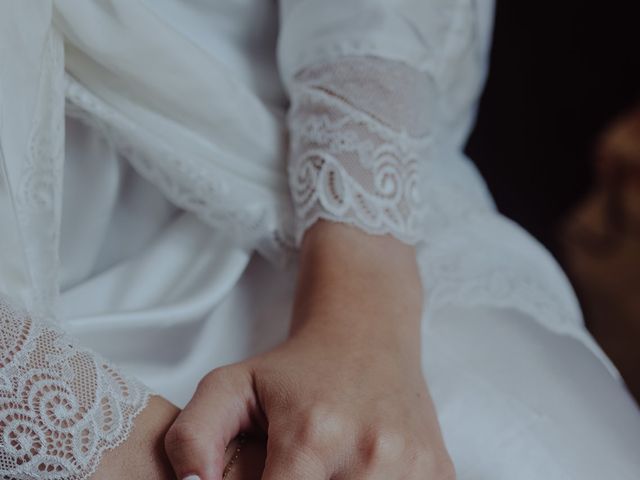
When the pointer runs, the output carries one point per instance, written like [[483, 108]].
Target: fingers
[[220, 408], [305, 445], [323, 446], [292, 464]]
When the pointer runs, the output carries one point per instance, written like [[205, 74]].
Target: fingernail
[[192, 477]]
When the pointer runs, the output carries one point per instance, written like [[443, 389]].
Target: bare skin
[[142, 455], [344, 397]]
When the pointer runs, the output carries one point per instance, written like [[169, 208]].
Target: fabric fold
[[32, 102]]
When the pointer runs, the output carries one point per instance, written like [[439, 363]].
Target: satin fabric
[[152, 267], [192, 121]]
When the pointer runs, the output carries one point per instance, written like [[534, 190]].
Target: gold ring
[[242, 438]]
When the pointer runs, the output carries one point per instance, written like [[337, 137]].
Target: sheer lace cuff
[[359, 136], [61, 406]]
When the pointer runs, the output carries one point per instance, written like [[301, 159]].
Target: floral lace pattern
[[359, 140], [61, 406]]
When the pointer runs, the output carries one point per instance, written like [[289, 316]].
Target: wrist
[[340, 254], [350, 281]]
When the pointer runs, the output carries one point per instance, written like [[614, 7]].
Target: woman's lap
[[514, 399], [517, 401]]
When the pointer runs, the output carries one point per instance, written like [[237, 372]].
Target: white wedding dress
[[159, 164]]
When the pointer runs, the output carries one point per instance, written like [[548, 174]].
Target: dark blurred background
[[561, 73]]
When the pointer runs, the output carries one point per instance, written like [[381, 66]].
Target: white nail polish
[[192, 477]]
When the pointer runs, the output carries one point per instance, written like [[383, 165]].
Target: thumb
[[220, 409]]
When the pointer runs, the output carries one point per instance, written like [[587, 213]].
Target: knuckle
[[381, 446], [220, 378], [320, 428], [220, 374]]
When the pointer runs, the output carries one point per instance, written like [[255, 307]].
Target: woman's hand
[[344, 397], [142, 456]]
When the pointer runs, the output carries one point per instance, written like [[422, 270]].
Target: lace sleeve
[[61, 406], [359, 130]]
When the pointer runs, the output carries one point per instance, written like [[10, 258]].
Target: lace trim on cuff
[[359, 137], [61, 406]]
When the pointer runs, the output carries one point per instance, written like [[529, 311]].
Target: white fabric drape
[[32, 139], [218, 149], [194, 97]]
